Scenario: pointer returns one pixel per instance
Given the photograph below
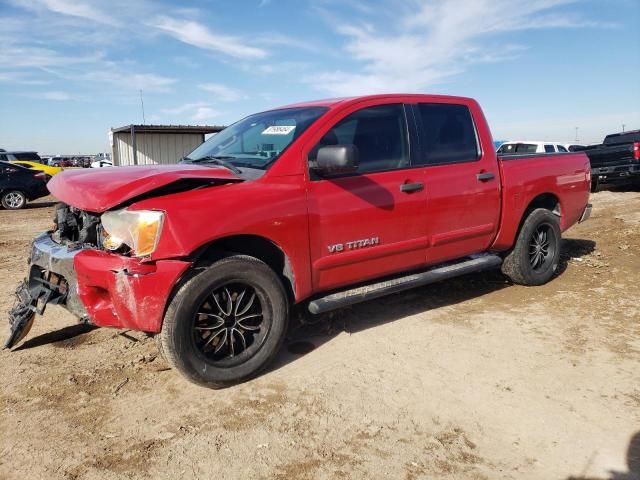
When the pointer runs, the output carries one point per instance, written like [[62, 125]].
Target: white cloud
[[73, 8], [21, 79], [196, 111], [222, 92], [198, 35], [55, 96], [183, 108], [433, 40], [204, 113], [127, 80], [36, 57]]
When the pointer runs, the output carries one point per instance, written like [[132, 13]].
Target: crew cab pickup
[[618, 158], [317, 205]]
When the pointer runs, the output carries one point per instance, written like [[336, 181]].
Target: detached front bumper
[[102, 288]]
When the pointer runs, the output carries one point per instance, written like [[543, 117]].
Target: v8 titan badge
[[353, 245]]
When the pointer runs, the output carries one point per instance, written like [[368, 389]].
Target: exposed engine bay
[[76, 227]]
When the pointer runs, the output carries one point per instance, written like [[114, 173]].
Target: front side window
[[258, 140], [562, 149], [448, 134], [549, 149], [379, 133]]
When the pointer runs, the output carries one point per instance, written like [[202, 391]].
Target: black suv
[[19, 184]]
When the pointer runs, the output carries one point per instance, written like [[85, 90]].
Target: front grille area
[[76, 227]]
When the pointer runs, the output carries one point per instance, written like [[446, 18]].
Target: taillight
[[41, 176], [636, 151]]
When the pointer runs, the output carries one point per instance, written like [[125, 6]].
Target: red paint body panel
[[455, 215], [566, 176], [98, 191], [123, 292]]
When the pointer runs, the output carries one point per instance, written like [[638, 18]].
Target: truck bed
[[567, 176]]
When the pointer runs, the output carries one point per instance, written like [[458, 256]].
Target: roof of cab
[[334, 102]]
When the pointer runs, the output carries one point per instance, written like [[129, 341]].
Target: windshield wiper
[[216, 160]]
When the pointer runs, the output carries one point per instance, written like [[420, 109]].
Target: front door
[[370, 223]]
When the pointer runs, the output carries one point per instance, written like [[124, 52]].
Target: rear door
[[462, 182], [370, 223]]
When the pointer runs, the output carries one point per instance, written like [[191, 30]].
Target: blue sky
[[71, 69]]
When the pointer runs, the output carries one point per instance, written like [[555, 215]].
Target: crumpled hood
[[97, 190]]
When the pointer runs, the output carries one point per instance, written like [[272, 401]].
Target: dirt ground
[[471, 378]]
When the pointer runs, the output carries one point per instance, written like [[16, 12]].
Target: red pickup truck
[[321, 204]]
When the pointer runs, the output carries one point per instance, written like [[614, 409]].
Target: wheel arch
[[548, 201], [252, 245]]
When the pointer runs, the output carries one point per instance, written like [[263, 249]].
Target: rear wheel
[[535, 256], [226, 324], [13, 200]]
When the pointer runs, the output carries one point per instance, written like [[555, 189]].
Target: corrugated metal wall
[[153, 148]]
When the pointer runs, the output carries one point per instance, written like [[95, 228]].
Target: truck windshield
[[258, 140]]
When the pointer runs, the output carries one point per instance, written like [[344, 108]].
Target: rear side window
[[30, 156], [549, 149], [562, 149], [447, 135], [379, 133]]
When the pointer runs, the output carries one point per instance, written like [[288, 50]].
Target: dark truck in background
[[617, 159]]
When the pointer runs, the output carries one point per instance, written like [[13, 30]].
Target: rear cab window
[[447, 134], [622, 138]]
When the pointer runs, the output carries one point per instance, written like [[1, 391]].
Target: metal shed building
[[155, 144]]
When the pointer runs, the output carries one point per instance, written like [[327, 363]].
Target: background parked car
[[523, 147], [48, 171], [19, 185], [574, 147], [101, 163], [20, 155]]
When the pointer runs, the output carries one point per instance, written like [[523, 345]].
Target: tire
[[595, 183], [13, 200], [536, 254], [254, 323]]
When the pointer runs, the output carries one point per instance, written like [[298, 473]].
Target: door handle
[[485, 177], [411, 187]]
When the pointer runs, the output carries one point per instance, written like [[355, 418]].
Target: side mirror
[[337, 159]]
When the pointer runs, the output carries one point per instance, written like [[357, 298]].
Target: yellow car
[[48, 171]]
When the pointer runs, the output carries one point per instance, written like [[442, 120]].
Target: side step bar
[[380, 289]]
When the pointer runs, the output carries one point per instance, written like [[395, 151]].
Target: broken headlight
[[137, 229]]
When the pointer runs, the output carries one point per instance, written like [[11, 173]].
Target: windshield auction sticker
[[279, 130]]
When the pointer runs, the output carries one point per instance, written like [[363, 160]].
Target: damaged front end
[[107, 287], [51, 277]]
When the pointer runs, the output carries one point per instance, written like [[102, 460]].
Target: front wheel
[[535, 256], [13, 200], [226, 324]]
